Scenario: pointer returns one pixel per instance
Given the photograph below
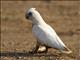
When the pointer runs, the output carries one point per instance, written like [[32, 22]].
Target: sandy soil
[[16, 34]]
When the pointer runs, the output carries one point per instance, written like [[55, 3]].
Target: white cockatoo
[[44, 33]]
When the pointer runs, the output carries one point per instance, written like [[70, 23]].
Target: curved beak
[[27, 16]]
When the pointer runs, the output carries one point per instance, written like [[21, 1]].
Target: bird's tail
[[66, 51]]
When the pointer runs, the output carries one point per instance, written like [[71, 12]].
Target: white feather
[[44, 33], [47, 36]]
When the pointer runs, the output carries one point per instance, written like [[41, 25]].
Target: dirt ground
[[16, 34]]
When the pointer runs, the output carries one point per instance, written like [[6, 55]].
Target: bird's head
[[33, 15], [30, 13]]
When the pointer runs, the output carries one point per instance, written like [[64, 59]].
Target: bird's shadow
[[25, 54]]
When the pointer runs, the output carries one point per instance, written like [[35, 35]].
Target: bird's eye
[[30, 13]]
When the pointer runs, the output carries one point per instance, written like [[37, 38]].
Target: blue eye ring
[[30, 13]]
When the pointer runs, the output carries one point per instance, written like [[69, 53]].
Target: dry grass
[[16, 34]]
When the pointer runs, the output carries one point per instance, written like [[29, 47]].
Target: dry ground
[[16, 34]]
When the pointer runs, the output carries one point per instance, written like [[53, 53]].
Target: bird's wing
[[47, 36], [56, 36]]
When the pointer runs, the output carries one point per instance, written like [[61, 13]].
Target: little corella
[[44, 33]]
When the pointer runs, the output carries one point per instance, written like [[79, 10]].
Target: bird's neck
[[38, 21]]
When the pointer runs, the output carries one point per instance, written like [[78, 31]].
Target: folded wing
[[46, 35]]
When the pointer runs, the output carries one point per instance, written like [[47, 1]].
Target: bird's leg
[[46, 50], [34, 50]]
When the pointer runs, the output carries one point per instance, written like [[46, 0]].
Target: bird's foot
[[35, 52], [32, 52], [42, 52]]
